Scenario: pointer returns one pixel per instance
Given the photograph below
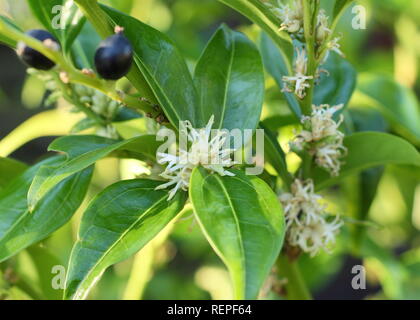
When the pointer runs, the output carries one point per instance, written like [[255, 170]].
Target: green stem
[[296, 288], [307, 163], [309, 31]]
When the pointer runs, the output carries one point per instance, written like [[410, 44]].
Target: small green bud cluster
[[97, 101]]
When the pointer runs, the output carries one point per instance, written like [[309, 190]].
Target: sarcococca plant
[[254, 146]]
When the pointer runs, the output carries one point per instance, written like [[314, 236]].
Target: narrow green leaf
[[243, 221], [338, 85], [261, 15], [82, 152], [398, 104], [44, 262], [4, 39], [45, 14], [276, 66], [72, 22], [118, 222], [275, 155], [10, 169], [339, 7], [368, 150], [18, 227], [230, 80], [84, 47], [163, 67]]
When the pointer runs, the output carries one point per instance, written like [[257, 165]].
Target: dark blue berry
[[114, 57], [32, 57]]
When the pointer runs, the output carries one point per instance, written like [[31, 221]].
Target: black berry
[[114, 57], [34, 58]]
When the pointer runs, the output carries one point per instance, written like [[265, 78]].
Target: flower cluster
[[307, 224], [208, 148], [299, 82], [324, 36], [322, 138], [291, 17]]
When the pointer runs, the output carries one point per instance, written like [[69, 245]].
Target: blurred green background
[[184, 266]]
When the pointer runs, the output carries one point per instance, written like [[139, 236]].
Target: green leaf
[[368, 150], [398, 104], [4, 39], [72, 22], [10, 169], [276, 66], [275, 155], [44, 262], [230, 81], [257, 12], [339, 7], [393, 273], [84, 124], [243, 221], [337, 87], [163, 67], [18, 227], [84, 47], [118, 222], [82, 152], [45, 14]]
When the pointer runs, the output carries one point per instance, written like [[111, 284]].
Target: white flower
[[302, 197], [311, 238], [322, 138], [306, 224], [208, 149], [291, 18], [299, 80], [333, 45], [322, 30]]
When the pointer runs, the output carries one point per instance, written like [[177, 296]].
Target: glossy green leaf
[[339, 7], [18, 227], [368, 150], [46, 14], [397, 103], [338, 85], [82, 152], [84, 47], [277, 121], [243, 221], [10, 169], [276, 66], [261, 15], [163, 67], [118, 222], [230, 81], [275, 155], [45, 263], [4, 39], [72, 22]]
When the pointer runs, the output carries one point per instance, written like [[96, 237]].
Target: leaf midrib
[[238, 227], [107, 252]]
